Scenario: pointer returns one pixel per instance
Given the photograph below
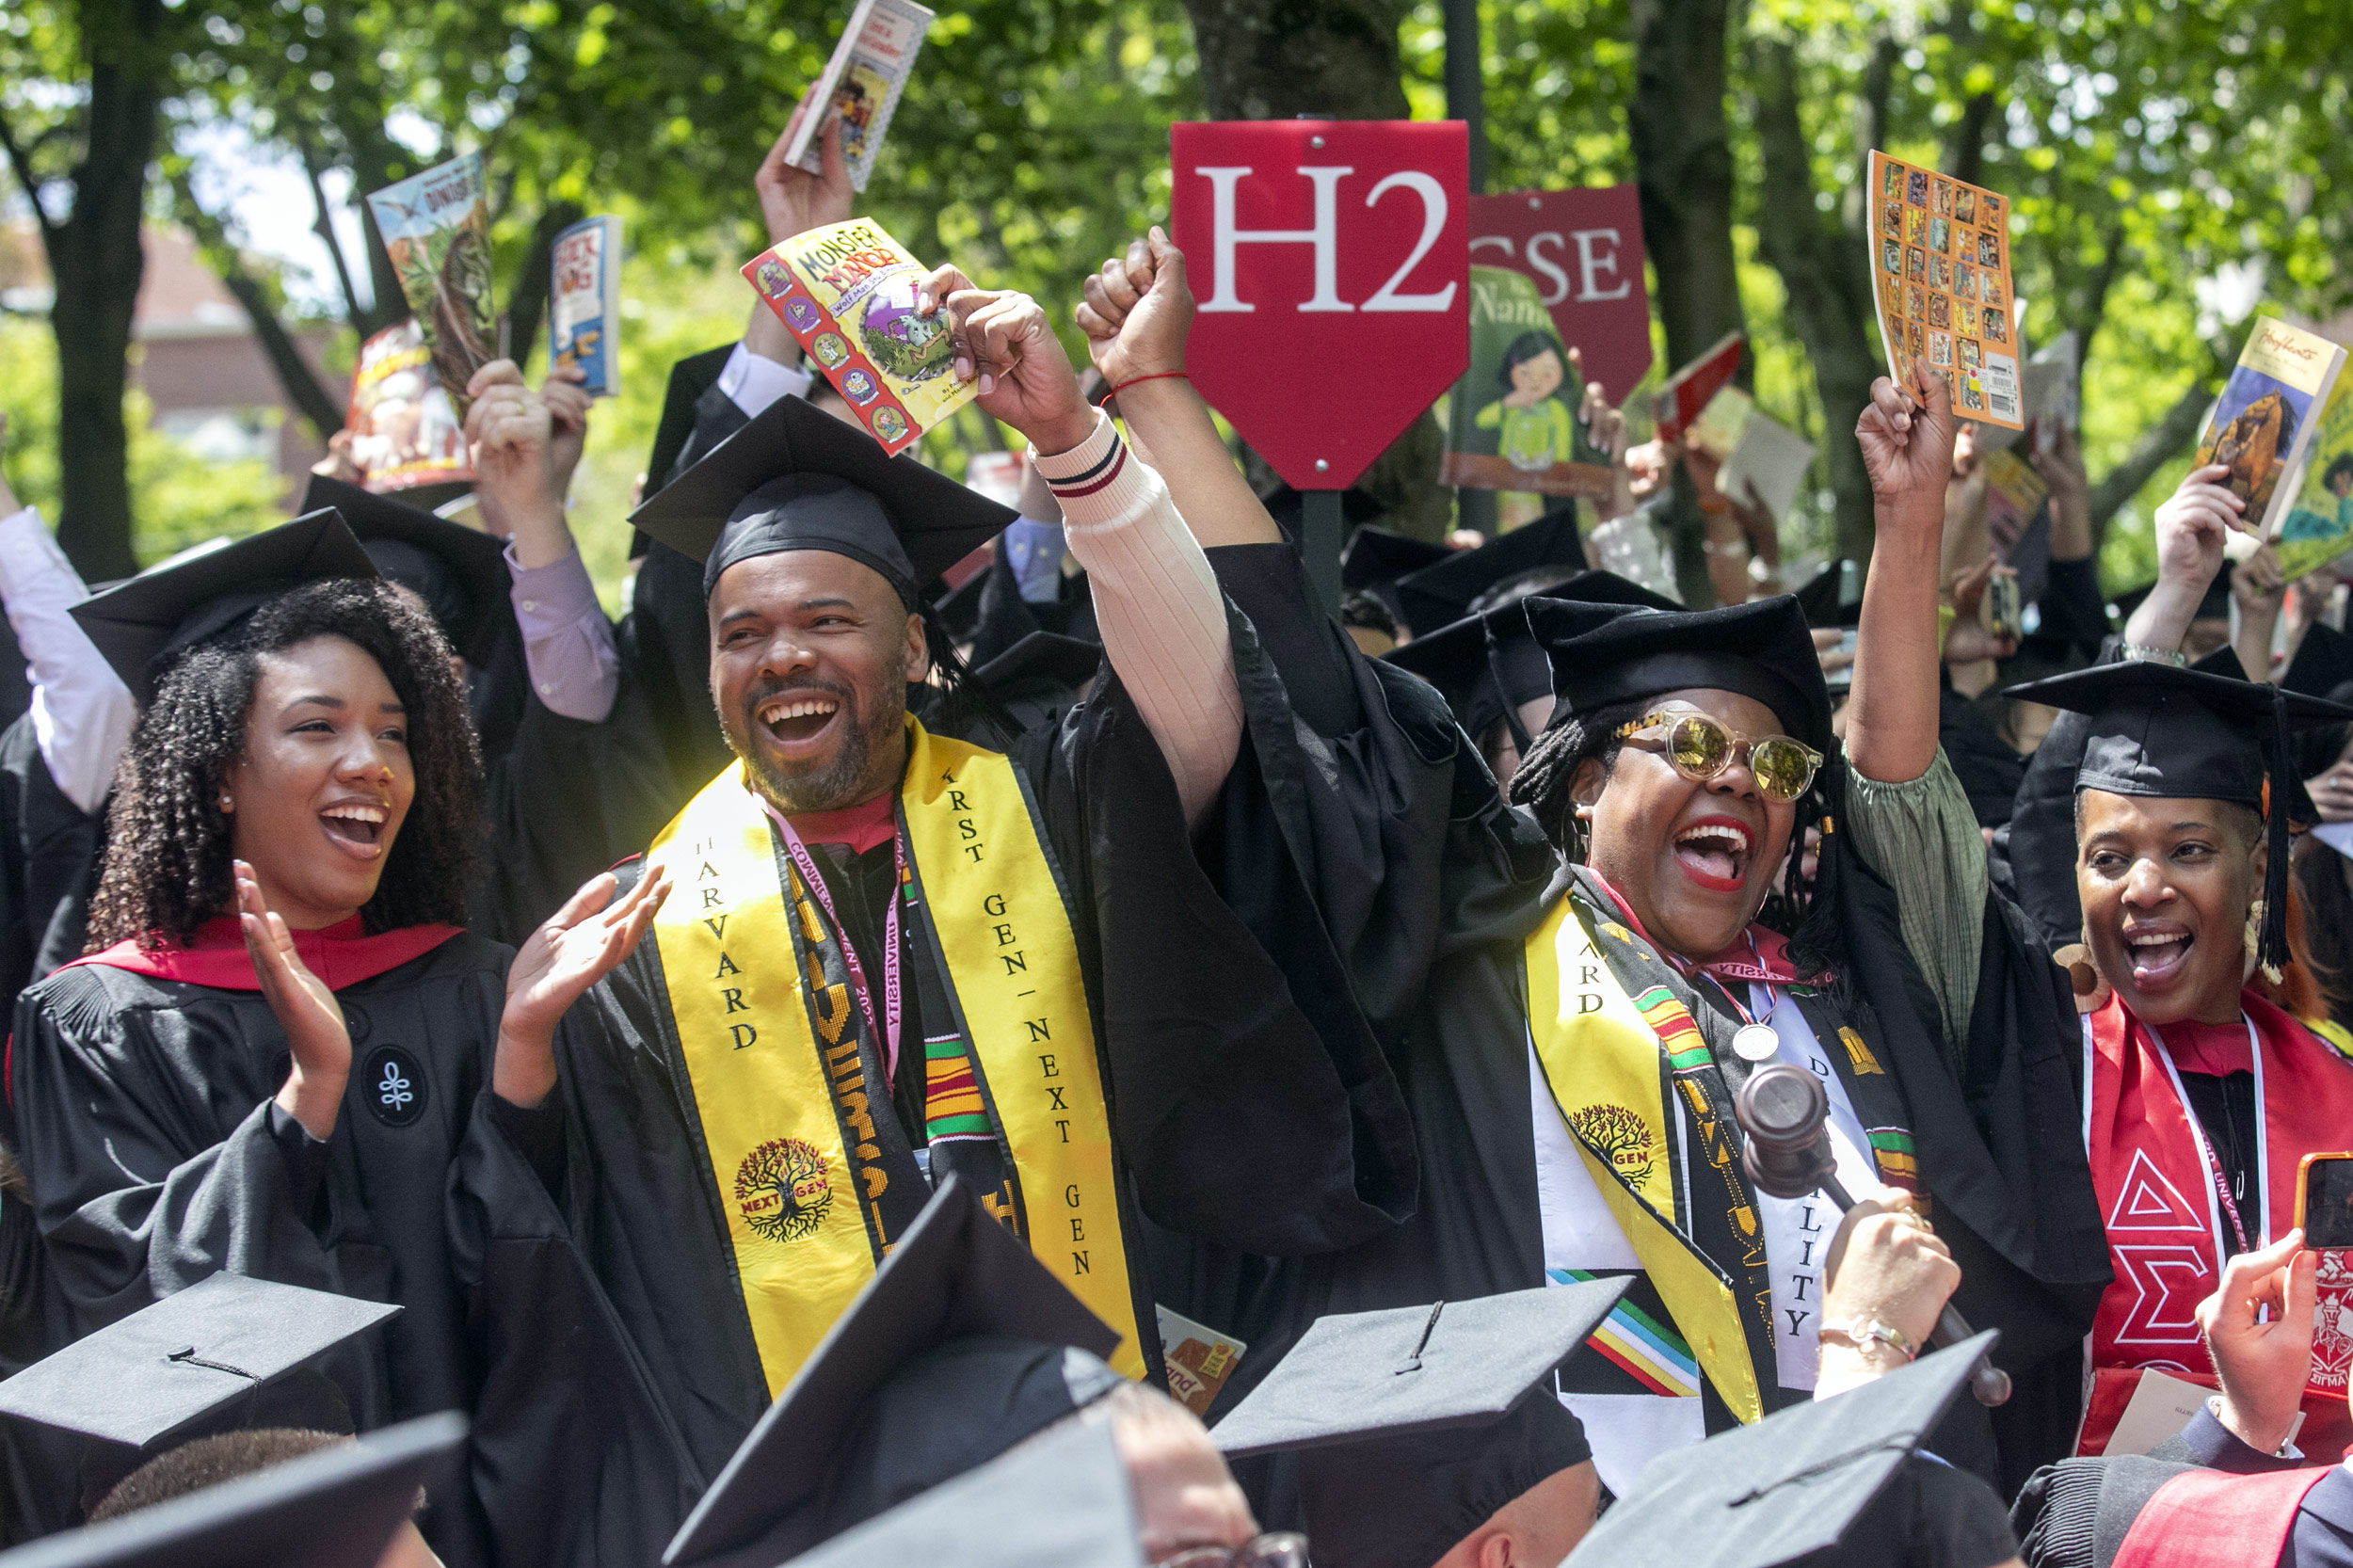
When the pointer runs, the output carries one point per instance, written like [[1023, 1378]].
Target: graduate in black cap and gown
[[280, 1037], [893, 955]]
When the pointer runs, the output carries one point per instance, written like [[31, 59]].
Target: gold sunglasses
[[1701, 749]]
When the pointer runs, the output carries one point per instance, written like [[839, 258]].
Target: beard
[[856, 771]]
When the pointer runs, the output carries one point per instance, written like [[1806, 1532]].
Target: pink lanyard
[[849, 949], [2205, 1145]]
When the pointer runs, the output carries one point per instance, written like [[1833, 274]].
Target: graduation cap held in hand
[[1416, 1424], [1799, 1481], [460, 572], [139, 624], [337, 1508], [959, 1319], [795, 478], [225, 1355], [1442, 592]]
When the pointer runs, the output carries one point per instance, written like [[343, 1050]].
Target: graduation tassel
[[2271, 939]]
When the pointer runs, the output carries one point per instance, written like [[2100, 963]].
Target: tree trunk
[[1275, 59], [1683, 171], [1825, 267], [321, 407], [527, 297], [95, 265]]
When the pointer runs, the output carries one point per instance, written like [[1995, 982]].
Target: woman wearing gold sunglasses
[[1687, 756]]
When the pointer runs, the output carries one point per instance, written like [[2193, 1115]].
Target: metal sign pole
[[1321, 544]]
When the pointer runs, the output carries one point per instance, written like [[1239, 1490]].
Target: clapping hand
[[579, 946], [304, 1008]]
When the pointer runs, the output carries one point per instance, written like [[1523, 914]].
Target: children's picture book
[[585, 302], [861, 84], [437, 230], [405, 430], [2263, 422], [1939, 278], [1689, 390], [846, 293], [1511, 420], [2320, 525], [1771, 460]]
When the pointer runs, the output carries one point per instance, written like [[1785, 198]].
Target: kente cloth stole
[[1612, 1055], [2158, 1187], [804, 1144]]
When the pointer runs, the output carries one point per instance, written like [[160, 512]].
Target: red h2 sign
[[1584, 249], [1331, 260]]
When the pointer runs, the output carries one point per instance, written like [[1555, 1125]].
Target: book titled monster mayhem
[[847, 294]]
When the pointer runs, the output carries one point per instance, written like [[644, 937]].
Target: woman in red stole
[[2200, 1096], [280, 1040]]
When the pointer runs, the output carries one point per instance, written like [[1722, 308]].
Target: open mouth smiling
[[355, 827], [1715, 853], [797, 718], [2158, 951]]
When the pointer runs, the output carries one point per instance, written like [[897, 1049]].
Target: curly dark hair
[[167, 841], [1805, 913]]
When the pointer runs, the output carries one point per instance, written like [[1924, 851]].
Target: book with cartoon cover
[[846, 293], [1511, 420], [1940, 280], [405, 431], [585, 302], [2320, 525], [437, 230], [861, 86], [2262, 423]]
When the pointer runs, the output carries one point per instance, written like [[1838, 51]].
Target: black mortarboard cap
[[1064, 1500], [460, 572], [1822, 601], [796, 478], [172, 606], [1792, 1485], [190, 1359], [1374, 558], [2162, 732], [1355, 1376], [334, 1509], [986, 1329], [1606, 653], [1042, 657], [1441, 593], [1418, 1423], [1485, 665]]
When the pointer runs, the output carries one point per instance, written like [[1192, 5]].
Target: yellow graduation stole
[[1609, 1076], [773, 1054]]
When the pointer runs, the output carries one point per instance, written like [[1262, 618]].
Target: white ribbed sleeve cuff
[[1157, 605]]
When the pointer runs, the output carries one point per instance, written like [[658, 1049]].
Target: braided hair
[[1804, 911], [167, 868]]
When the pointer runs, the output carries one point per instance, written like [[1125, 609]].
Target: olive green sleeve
[[1922, 838]]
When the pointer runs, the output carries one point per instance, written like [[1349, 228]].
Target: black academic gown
[[156, 1158], [49, 850], [1242, 1110]]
